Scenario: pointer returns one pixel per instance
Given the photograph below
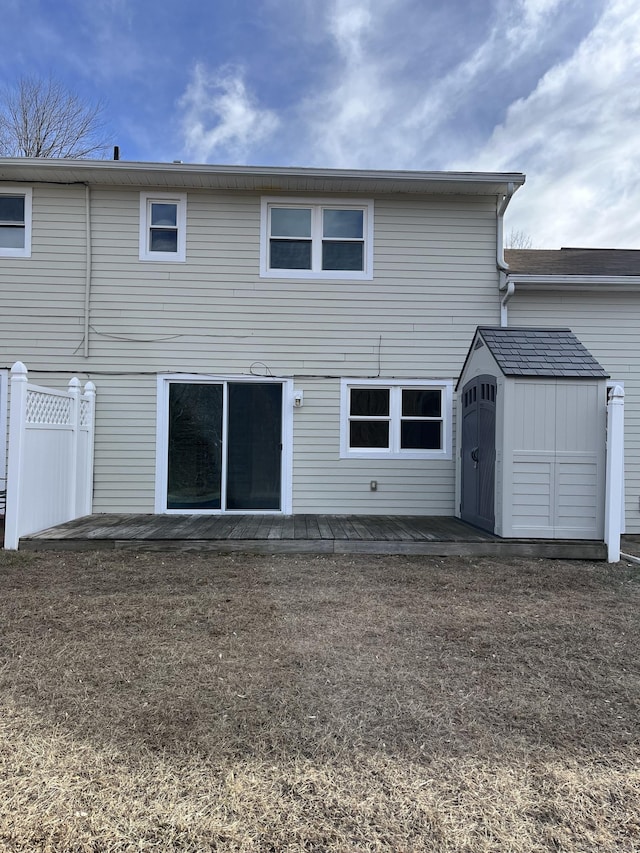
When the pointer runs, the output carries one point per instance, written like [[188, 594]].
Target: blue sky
[[547, 87]]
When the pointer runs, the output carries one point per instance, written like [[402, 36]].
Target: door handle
[[474, 456]]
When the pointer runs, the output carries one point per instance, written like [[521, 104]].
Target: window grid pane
[[421, 402], [290, 254], [369, 434], [342, 256], [12, 210], [11, 238], [163, 240], [369, 402], [343, 224], [421, 435], [290, 222], [164, 215]]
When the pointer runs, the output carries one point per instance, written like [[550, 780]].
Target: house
[[262, 339]]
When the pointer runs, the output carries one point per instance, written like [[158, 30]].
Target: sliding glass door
[[224, 446]]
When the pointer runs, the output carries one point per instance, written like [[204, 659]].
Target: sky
[[550, 88]]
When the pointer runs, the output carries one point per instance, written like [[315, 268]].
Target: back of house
[[282, 340], [262, 339]]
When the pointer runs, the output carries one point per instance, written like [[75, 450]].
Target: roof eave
[[573, 282], [266, 178]]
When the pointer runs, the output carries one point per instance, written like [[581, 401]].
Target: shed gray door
[[479, 452]]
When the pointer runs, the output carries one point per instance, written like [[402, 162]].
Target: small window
[[15, 222], [163, 227], [409, 419], [323, 239]]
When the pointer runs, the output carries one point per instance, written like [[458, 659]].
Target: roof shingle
[[540, 352], [578, 262]]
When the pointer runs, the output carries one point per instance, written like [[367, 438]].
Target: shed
[[532, 428]]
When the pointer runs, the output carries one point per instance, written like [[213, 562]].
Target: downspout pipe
[[508, 292], [88, 261], [503, 267]]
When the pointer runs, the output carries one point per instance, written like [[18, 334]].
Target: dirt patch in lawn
[[284, 703]]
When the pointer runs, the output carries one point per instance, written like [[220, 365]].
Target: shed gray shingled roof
[[540, 352], [579, 262]]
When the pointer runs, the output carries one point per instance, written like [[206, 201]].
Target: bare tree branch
[[40, 118], [519, 240]]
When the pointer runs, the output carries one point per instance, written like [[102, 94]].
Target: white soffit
[[255, 178]]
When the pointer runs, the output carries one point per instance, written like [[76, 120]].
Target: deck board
[[304, 533]]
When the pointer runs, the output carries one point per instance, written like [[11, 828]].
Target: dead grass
[[238, 703]]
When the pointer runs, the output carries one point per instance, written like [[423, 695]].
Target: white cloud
[[342, 120], [379, 106], [518, 29], [221, 119], [393, 93], [577, 136]]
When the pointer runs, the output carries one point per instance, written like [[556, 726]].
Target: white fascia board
[[261, 178], [573, 282]]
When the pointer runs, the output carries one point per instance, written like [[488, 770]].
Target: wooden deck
[[316, 534]]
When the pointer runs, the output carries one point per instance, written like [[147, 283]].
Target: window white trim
[[162, 441], [317, 205], [394, 451], [180, 200], [25, 252]]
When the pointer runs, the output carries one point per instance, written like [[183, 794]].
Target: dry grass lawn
[[184, 702]]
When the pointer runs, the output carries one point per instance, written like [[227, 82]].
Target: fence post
[[90, 396], [615, 473], [74, 394], [17, 416], [4, 423]]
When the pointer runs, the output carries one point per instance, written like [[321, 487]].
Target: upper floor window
[[15, 222], [163, 223], [319, 238], [396, 419]]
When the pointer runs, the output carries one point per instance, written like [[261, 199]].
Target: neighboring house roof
[[261, 178], [578, 262], [537, 352]]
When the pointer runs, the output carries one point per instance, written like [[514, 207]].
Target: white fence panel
[[50, 465]]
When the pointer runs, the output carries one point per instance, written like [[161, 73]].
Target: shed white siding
[[553, 455], [607, 324], [434, 280]]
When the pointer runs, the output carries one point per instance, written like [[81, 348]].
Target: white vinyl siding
[[42, 301], [325, 483], [435, 280]]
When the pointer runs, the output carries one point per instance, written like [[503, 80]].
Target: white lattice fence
[[50, 464]]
